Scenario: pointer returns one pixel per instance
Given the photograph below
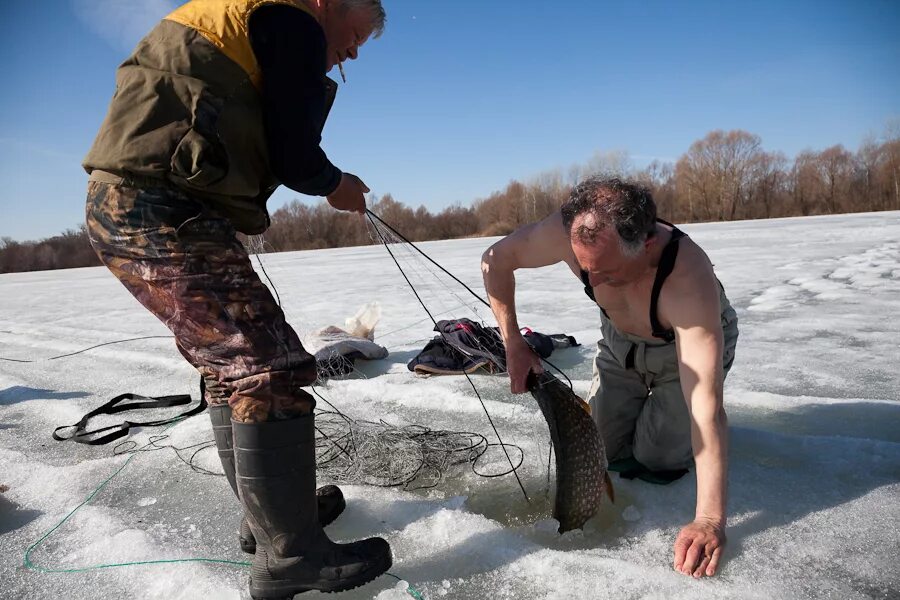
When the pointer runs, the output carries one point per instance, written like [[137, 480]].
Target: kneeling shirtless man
[[669, 335]]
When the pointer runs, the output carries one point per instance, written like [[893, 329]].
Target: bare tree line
[[727, 175], [68, 250]]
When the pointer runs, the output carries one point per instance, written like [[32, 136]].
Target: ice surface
[[812, 400]]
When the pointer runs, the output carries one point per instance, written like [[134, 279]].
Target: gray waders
[[636, 397]]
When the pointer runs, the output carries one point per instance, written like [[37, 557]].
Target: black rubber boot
[[330, 498], [276, 475]]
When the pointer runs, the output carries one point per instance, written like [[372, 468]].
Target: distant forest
[[725, 176]]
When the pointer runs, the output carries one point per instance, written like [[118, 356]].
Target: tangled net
[[380, 454], [385, 455], [354, 451]]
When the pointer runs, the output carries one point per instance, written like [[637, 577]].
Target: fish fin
[[584, 405], [610, 490]]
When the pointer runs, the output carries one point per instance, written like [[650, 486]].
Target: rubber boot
[[276, 476], [330, 498]]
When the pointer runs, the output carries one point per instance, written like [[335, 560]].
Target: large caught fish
[[581, 477]]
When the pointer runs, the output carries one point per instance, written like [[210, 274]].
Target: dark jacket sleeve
[[290, 48]]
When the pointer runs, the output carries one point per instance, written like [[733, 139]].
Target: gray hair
[[628, 207], [375, 9]]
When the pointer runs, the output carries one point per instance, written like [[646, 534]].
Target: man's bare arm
[[692, 307], [535, 245]]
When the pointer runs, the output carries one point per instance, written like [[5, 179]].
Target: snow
[[812, 399]]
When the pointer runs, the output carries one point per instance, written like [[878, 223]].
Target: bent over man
[[669, 335], [222, 102]]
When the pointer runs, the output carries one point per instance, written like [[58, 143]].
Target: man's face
[[345, 32], [605, 263]]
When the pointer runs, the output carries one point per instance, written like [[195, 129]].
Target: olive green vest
[[187, 112]]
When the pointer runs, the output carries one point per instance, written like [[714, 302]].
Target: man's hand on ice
[[698, 548]]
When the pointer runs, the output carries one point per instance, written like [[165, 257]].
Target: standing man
[[669, 335], [222, 102]]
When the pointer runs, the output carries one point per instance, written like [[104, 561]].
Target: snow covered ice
[[813, 405]]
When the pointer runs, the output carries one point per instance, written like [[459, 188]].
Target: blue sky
[[458, 97]]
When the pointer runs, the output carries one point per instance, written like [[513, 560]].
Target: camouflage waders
[[184, 263]]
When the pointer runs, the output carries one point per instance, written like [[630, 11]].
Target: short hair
[[628, 207], [375, 9]]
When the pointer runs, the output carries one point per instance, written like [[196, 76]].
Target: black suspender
[[666, 264]]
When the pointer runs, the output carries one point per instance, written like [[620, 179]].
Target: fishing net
[[381, 454]]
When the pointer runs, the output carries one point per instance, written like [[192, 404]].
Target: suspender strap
[[588, 288], [666, 264], [116, 405]]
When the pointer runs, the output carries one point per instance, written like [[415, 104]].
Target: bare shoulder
[[534, 245], [691, 290], [692, 266]]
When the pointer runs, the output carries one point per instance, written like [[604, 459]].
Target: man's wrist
[[334, 182], [715, 521], [515, 337]]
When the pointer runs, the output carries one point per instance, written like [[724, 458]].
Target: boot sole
[[285, 591]]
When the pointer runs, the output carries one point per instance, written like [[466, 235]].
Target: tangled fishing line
[[356, 451], [386, 455]]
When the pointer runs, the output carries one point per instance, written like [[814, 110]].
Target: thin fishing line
[[439, 281], [398, 234], [426, 440], [446, 288], [420, 321], [471, 383], [274, 289], [410, 589], [482, 300], [344, 417], [146, 337], [153, 445], [416, 267], [28, 563], [452, 276], [402, 272]]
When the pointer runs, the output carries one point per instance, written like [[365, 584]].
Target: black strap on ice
[[116, 405], [666, 264]]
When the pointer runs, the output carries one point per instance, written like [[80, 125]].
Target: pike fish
[[581, 477]]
